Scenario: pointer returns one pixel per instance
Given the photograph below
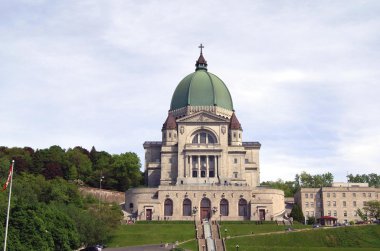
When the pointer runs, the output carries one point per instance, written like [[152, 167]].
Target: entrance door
[[149, 214], [205, 209], [262, 214]]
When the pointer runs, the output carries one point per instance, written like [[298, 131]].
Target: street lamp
[[100, 187], [220, 219], [237, 247], [225, 233]]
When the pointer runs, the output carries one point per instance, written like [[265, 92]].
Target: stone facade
[[340, 201], [202, 168]]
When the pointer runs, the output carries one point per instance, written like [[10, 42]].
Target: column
[[207, 167], [199, 166], [217, 166], [185, 166]]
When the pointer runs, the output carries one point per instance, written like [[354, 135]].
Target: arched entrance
[[205, 209]]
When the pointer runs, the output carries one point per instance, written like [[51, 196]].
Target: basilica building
[[202, 168]]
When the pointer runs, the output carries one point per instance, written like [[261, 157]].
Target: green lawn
[[337, 239], [246, 227], [151, 233], [343, 238]]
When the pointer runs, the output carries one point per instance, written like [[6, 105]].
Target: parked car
[[376, 221], [93, 248], [316, 226]]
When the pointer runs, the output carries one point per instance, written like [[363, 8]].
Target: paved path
[[140, 248]]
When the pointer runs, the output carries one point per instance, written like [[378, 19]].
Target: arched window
[[168, 207], [204, 138], [224, 207], [205, 203], [186, 207], [243, 207]]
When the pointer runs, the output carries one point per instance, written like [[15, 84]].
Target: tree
[[126, 170], [372, 179], [362, 214], [311, 220], [81, 161], [372, 210], [288, 187], [318, 180], [297, 213]]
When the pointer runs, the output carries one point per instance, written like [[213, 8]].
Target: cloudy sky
[[304, 75]]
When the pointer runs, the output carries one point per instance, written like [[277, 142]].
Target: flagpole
[[9, 206]]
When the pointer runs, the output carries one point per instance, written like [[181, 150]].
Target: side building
[[337, 203]]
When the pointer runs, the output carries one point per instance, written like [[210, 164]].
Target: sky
[[303, 75]]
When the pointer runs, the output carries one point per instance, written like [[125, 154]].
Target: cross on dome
[[201, 62], [201, 47]]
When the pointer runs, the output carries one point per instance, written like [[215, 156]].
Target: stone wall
[[104, 195]]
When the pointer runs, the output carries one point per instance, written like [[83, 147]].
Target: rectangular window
[[195, 173], [306, 195], [353, 194], [334, 203], [311, 195], [203, 161], [328, 195], [335, 213], [354, 203], [343, 195], [345, 213], [329, 213], [312, 204], [195, 162], [344, 204], [328, 203], [235, 175], [235, 160], [334, 195], [369, 195], [203, 173], [211, 174], [307, 204]]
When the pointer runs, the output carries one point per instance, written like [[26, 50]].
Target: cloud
[[303, 76]]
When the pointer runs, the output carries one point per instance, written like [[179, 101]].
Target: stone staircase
[[208, 236]]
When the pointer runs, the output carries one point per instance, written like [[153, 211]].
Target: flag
[[9, 177]]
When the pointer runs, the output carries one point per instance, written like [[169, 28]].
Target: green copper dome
[[201, 88]]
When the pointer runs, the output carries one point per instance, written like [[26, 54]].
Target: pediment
[[203, 117]]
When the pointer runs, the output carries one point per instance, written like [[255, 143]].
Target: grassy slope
[[142, 234], [244, 228], [338, 239], [344, 238]]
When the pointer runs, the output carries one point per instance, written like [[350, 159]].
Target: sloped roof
[[170, 123]]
